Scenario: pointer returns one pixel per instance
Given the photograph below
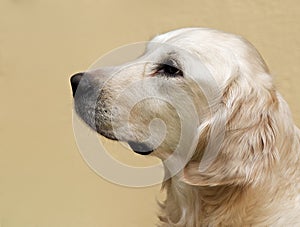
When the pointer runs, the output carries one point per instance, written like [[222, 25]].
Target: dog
[[217, 85]]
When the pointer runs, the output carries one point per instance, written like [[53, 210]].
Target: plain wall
[[44, 182]]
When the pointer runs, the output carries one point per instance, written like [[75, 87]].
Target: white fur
[[254, 177]]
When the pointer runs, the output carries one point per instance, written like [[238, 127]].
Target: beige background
[[43, 179]]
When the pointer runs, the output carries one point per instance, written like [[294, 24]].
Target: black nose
[[75, 79]]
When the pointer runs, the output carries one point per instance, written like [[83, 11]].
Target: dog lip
[[140, 148], [107, 135]]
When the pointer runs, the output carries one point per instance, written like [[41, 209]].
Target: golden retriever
[[214, 88]]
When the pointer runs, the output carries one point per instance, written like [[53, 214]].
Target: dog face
[[187, 79], [143, 102]]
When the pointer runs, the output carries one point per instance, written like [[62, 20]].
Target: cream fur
[[255, 178]]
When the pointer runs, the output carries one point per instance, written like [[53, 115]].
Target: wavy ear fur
[[249, 150]]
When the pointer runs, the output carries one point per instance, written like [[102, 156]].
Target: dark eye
[[169, 68]]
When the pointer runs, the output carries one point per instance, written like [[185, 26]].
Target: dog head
[[189, 83]]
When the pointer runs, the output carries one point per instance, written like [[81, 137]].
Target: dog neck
[[236, 204], [225, 205], [188, 205]]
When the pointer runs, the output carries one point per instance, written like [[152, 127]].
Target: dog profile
[[222, 86]]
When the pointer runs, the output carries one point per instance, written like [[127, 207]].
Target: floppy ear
[[248, 150]]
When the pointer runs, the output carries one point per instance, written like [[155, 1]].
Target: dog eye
[[169, 69]]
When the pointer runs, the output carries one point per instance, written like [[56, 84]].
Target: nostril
[[75, 79]]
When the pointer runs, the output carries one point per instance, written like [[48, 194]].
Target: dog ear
[[248, 150]]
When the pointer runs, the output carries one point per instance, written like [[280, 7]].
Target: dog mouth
[[107, 135], [140, 148], [96, 116]]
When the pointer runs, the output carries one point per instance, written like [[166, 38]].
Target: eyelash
[[168, 69]]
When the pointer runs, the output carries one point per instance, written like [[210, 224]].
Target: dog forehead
[[202, 40], [171, 34], [190, 35], [172, 39]]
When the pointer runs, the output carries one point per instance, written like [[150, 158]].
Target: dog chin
[[137, 147], [107, 135], [140, 148]]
